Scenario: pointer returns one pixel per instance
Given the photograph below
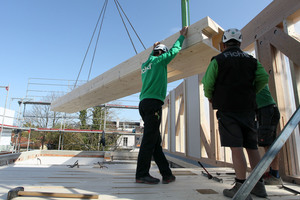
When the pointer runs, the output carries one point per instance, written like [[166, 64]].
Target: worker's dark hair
[[155, 52], [232, 43]]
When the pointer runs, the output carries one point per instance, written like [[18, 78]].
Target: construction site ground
[[116, 180]]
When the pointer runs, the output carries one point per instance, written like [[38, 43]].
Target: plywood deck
[[125, 79], [117, 181]]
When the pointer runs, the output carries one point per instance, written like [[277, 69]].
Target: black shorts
[[268, 119], [237, 129]]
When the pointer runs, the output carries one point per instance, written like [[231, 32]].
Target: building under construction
[[189, 126]]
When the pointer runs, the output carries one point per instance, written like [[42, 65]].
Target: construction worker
[[231, 82], [152, 96], [268, 117]]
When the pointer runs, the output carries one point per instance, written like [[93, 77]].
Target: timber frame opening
[[189, 127]]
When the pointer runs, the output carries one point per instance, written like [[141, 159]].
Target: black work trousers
[[150, 111]]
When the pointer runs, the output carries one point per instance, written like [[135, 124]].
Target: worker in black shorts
[[231, 82], [268, 116]]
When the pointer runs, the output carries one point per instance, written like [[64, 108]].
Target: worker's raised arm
[[167, 57], [184, 31]]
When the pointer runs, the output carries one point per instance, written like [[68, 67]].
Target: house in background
[[6, 125], [131, 136]]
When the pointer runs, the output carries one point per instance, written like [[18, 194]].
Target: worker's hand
[[155, 44], [184, 31]]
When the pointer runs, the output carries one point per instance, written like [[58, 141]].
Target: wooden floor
[[116, 180]]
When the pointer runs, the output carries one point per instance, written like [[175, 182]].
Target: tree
[[98, 112], [41, 115], [83, 118]]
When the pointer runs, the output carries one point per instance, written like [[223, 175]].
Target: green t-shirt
[[154, 73], [264, 98]]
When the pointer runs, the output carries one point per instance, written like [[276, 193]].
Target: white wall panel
[[192, 116]]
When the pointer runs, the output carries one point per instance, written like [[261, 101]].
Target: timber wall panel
[[193, 116], [271, 16], [265, 34], [172, 123]]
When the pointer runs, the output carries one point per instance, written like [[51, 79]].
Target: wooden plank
[[165, 123], [213, 132], [125, 78], [193, 60], [284, 43], [271, 59], [179, 114], [268, 18], [205, 142]]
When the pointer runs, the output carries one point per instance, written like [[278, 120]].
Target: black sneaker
[[231, 192], [259, 190], [147, 179], [269, 179], [168, 179]]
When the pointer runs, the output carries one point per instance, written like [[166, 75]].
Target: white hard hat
[[232, 34], [162, 47]]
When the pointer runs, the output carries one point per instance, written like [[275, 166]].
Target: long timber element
[[125, 79]]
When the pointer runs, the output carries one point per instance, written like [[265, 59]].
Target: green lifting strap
[[185, 12]]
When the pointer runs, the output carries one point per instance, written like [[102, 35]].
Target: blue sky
[[49, 38]]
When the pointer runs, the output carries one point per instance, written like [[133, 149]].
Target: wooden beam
[[206, 143], [265, 57], [268, 18], [213, 132], [179, 114], [125, 79], [269, 48], [165, 131], [284, 43]]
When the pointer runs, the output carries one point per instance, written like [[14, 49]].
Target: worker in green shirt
[[152, 96], [231, 82], [268, 116]]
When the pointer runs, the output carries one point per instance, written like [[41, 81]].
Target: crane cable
[[118, 5], [97, 43], [104, 7]]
